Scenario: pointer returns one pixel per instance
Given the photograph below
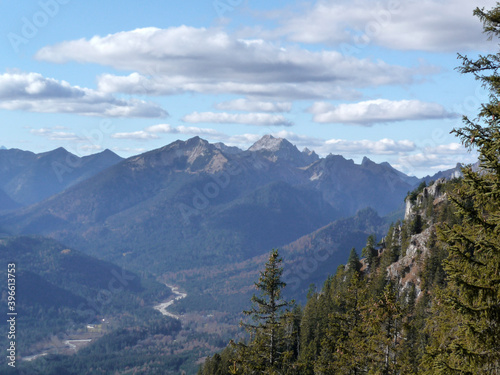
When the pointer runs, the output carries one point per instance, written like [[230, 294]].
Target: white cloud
[[366, 147], [140, 135], [435, 158], [34, 93], [151, 132], [166, 85], [259, 119], [187, 59], [371, 112], [55, 135], [423, 163], [58, 134], [300, 139], [254, 106], [129, 150], [449, 149], [242, 141], [90, 148], [168, 129], [426, 25]]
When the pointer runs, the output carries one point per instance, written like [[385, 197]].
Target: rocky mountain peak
[[57, 154], [279, 149], [269, 143], [196, 147], [309, 155], [56, 151], [193, 155], [195, 144], [106, 157], [366, 162], [308, 152], [107, 152]]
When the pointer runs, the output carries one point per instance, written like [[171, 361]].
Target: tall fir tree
[[272, 327], [472, 297], [370, 252], [383, 322], [353, 264]]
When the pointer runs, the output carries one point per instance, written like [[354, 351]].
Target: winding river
[[162, 307], [68, 344]]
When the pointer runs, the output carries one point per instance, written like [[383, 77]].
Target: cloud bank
[[208, 60], [258, 119], [34, 93], [371, 112], [426, 25]]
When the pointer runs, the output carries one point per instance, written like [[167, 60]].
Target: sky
[[350, 77]]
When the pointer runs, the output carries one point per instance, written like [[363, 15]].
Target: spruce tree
[[472, 297], [268, 330], [370, 252], [353, 263], [383, 323]]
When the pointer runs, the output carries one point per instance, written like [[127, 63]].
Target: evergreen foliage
[[273, 328], [472, 297], [370, 251]]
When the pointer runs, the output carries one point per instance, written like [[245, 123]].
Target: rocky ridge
[[408, 268]]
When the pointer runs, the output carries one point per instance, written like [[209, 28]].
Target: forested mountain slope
[[371, 314], [425, 299]]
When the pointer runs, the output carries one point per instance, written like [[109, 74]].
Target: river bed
[[162, 307]]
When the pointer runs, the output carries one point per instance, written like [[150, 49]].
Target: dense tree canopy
[[472, 298]]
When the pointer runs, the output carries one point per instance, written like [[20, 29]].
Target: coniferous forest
[[425, 299]]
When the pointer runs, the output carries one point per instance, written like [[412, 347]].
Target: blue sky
[[356, 78]]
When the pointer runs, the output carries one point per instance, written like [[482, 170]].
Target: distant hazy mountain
[[349, 187], [412, 180], [70, 270], [450, 173], [28, 178], [195, 203]]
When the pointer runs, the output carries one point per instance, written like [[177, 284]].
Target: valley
[[194, 215]]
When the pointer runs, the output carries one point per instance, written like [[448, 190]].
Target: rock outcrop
[[408, 268]]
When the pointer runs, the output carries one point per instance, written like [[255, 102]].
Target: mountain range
[[193, 214], [28, 178], [192, 202]]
